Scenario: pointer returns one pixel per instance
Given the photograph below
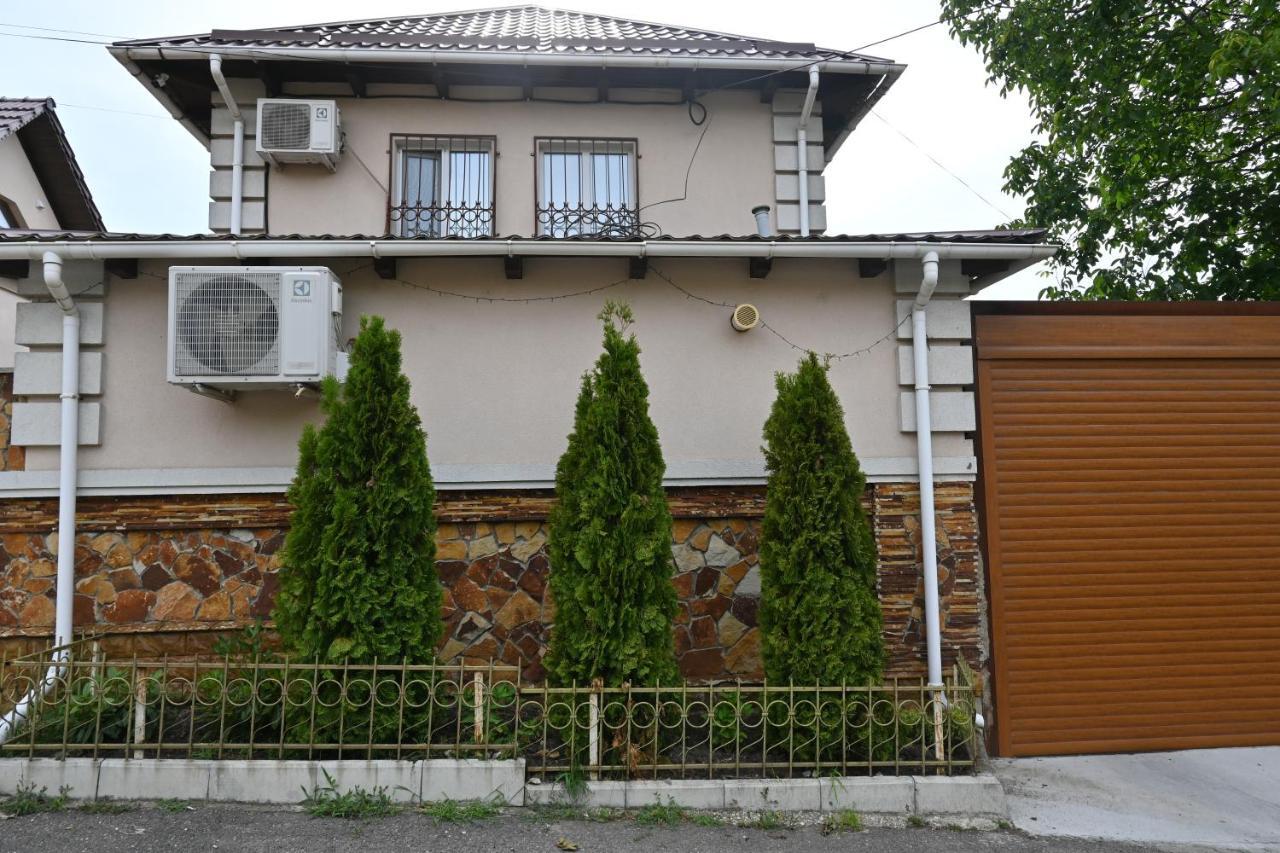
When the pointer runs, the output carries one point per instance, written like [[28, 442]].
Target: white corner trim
[[448, 477]]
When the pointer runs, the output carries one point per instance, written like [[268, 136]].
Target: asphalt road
[[236, 828]]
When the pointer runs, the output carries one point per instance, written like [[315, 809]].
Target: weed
[[707, 819], [28, 799], [658, 814], [1003, 824], [555, 811], [107, 807], [605, 815], [767, 819], [172, 806], [845, 820], [915, 821], [354, 804], [463, 811]]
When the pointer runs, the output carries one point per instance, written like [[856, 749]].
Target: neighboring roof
[[525, 28], [49, 152], [522, 46], [1010, 236]]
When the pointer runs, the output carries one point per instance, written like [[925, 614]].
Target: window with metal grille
[[587, 187], [442, 186]]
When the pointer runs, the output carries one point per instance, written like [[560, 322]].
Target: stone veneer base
[[171, 575]]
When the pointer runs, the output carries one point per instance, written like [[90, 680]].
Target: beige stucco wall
[[734, 170], [8, 311], [19, 185], [496, 382]]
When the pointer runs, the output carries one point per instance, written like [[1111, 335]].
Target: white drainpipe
[[237, 150], [924, 460], [802, 149], [67, 470]]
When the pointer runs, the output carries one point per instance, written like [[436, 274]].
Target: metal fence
[[232, 708]]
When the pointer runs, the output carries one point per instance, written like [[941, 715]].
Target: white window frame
[[586, 173], [443, 146]]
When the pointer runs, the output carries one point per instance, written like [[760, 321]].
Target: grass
[[172, 806], [555, 811], [845, 820], [659, 814], [706, 819], [28, 800], [354, 804], [915, 821], [463, 811], [107, 807]]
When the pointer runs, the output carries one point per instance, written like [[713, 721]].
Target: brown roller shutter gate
[[1130, 461]]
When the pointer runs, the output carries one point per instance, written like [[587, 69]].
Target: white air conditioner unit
[[296, 131], [241, 328]]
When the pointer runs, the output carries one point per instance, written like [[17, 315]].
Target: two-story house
[[485, 180]]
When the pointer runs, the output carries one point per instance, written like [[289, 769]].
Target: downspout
[[69, 445], [237, 144], [802, 149], [924, 464]]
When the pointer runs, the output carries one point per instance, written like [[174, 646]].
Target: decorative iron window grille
[[441, 186], [587, 187]]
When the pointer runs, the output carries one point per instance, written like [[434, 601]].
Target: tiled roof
[[49, 152], [17, 113], [1016, 236], [529, 29]]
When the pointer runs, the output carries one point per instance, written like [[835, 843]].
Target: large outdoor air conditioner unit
[[241, 328], [298, 131]]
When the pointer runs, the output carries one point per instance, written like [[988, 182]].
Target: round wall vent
[[745, 317]]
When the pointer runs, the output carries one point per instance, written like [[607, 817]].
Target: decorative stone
[[454, 549], [533, 582], [242, 600], [266, 600], [485, 649], [228, 564], [119, 556], [124, 579], [705, 581], [526, 548], [451, 649], [216, 608], [468, 595], [482, 547], [39, 611], [744, 658], [527, 529], [683, 584], [131, 605], [176, 602], [730, 630], [721, 553], [154, 577], [703, 663], [750, 583], [198, 572], [104, 542], [700, 539], [497, 598], [83, 610], [703, 632], [687, 559], [450, 570], [682, 527], [505, 532], [745, 608], [43, 568], [99, 588], [518, 610]]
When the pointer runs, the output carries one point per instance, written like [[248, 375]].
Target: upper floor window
[[586, 187], [441, 186]]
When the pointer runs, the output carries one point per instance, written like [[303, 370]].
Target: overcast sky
[[149, 175]]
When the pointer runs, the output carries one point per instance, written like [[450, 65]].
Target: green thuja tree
[[358, 581], [610, 532], [819, 615]]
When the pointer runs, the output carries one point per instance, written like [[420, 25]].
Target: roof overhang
[[188, 84], [1000, 259]]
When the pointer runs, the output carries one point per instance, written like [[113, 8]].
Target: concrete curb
[[283, 782], [266, 781]]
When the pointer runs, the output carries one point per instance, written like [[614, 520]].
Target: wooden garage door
[[1131, 488]]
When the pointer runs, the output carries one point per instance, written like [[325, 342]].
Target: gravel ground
[[221, 827]]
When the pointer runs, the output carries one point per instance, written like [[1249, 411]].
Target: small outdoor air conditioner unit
[[241, 328], [296, 131]]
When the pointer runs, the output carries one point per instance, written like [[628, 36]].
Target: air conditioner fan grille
[[227, 324], [286, 127]]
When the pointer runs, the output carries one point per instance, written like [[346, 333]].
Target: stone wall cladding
[[11, 458], [173, 573]]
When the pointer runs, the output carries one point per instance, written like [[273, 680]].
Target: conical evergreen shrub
[[610, 532], [359, 579], [820, 617]]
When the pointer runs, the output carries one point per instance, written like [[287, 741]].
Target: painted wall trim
[[448, 477]]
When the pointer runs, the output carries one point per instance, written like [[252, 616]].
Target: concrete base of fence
[[264, 781], [969, 796]]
